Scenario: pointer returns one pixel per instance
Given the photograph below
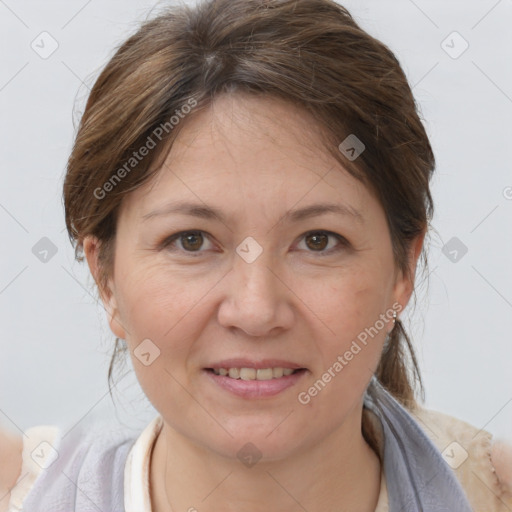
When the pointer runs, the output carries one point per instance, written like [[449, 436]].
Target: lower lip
[[256, 388]]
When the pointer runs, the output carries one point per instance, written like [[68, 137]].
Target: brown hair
[[309, 52]]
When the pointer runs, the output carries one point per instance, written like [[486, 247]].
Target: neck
[[342, 473]]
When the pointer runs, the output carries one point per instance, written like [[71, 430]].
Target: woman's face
[[267, 283]]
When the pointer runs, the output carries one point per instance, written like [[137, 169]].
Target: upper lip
[[251, 363]]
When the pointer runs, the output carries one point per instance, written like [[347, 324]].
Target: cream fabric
[[37, 453], [468, 451]]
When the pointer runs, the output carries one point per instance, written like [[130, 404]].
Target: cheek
[[158, 305], [154, 297], [348, 302], [349, 336], [349, 342], [161, 313]]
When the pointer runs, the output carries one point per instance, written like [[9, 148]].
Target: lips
[[254, 370], [255, 379], [254, 374]]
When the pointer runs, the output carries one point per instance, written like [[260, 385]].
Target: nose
[[257, 301]]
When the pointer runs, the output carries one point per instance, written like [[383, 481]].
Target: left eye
[[192, 241], [319, 240]]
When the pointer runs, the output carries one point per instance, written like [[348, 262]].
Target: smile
[[255, 383], [253, 373]]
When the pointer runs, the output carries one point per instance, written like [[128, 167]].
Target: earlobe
[[107, 294]]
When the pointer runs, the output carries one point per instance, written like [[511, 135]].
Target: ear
[[404, 284], [91, 247]]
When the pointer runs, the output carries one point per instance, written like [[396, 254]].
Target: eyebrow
[[211, 213]]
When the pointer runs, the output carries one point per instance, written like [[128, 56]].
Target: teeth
[[247, 373], [264, 374], [253, 374], [234, 373], [277, 372]]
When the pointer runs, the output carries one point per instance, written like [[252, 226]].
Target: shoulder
[[85, 461], [482, 465], [44, 467], [11, 447]]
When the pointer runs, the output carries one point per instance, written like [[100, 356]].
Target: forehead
[[252, 150], [244, 129]]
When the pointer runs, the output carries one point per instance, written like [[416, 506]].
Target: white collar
[[136, 470]]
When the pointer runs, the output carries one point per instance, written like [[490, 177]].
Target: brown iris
[[195, 239], [319, 240]]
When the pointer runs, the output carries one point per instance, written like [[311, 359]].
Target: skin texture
[[300, 300]]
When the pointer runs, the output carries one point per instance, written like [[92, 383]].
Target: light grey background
[[55, 343]]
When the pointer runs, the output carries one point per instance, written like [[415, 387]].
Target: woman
[[250, 187]]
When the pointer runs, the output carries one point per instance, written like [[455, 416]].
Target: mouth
[[255, 373], [249, 382]]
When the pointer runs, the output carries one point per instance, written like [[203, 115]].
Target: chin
[[261, 440]]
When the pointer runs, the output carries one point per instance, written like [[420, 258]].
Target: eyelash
[[195, 254]]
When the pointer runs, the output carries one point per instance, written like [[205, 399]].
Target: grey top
[[88, 475]]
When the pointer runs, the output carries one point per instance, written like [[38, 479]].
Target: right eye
[[190, 242]]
